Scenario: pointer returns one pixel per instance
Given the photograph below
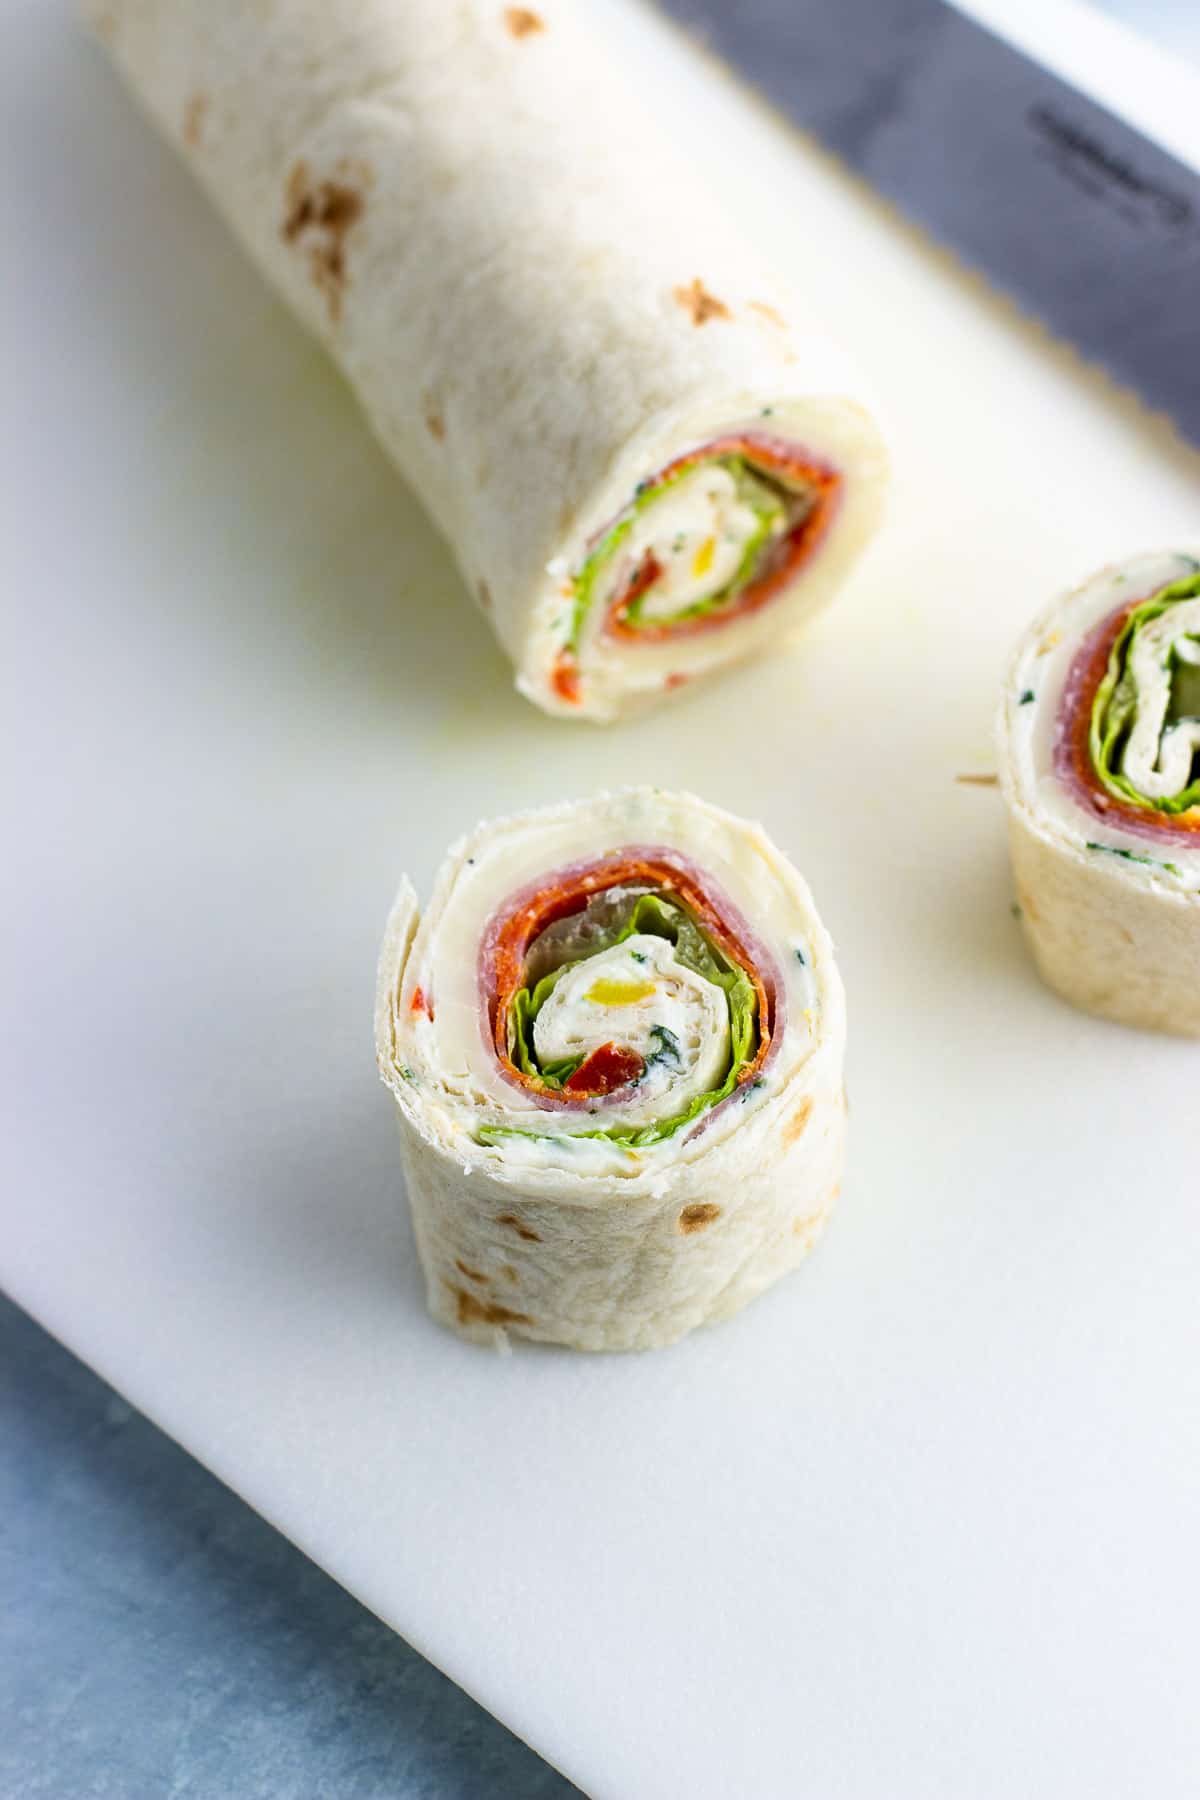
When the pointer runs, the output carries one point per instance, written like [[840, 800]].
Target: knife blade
[[1064, 206]]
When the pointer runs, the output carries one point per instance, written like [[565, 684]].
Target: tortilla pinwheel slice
[[615, 1041], [1100, 758], [647, 462]]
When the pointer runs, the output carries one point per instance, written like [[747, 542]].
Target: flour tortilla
[[530, 291], [596, 1244], [1112, 913]]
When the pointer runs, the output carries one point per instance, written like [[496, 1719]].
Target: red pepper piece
[[564, 678], [643, 579], [611, 1066]]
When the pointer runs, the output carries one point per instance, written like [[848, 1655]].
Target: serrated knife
[[1061, 204]]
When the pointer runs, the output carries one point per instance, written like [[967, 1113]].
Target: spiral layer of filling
[[1128, 740], [712, 537], [625, 999]]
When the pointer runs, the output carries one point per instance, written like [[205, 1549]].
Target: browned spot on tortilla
[[697, 1217], [194, 114], [804, 1226], [768, 312], [798, 1120], [485, 596], [522, 22], [474, 1311], [434, 418], [978, 780], [298, 202], [522, 1230], [1027, 907], [700, 304], [508, 1272], [322, 213], [471, 1274], [835, 1192]]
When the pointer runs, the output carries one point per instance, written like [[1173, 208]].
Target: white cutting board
[[922, 1522]]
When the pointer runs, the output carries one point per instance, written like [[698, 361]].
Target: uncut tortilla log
[[647, 465], [1100, 759], [615, 1041]]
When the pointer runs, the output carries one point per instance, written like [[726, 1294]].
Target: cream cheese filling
[[638, 995]]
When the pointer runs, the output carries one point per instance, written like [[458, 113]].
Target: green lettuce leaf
[[1114, 708], [525, 1009]]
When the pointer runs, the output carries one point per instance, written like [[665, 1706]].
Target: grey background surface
[[157, 1639]]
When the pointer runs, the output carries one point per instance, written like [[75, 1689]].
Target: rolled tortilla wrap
[[1100, 760], [615, 1041], [647, 464]]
